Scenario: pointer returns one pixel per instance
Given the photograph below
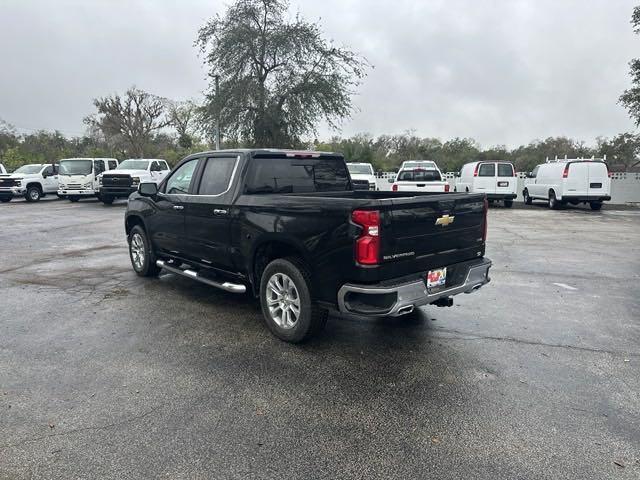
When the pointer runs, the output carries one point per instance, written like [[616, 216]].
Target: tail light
[[394, 187], [475, 170], [565, 174], [446, 187], [484, 228], [367, 251]]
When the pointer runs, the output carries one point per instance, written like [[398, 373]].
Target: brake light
[[484, 229], [475, 170], [565, 174], [446, 187], [367, 249], [394, 187]]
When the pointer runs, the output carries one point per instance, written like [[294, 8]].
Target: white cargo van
[[569, 181], [494, 178], [419, 176], [78, 177]]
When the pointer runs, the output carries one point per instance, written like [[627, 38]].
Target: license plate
[[503, 184], [437, 278]]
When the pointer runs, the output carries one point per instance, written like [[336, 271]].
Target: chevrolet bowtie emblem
[[445, 220]]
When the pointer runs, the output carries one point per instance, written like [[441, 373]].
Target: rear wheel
[[553, 201], [595, 205], [288, 308], [508, 203], [527, 199], [143, 260], [33, 194]]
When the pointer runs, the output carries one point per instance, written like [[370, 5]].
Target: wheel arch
[[131, 221], [35, 183], [268, 249]]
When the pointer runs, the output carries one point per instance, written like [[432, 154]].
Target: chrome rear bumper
[[395, 300]]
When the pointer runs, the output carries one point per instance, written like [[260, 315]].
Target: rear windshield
[[296, 175], [419, 176], [505, 170]]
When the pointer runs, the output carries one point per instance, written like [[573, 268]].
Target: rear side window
[[487, 170], [419, 176], [112, 164], [296, 175], [505, 170], [216, 176], [98, 166]]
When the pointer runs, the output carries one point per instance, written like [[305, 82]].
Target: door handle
[[178, 207], [219, 211]]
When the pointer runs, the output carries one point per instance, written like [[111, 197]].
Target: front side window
[[487, 170], [113, 164], [47, 172], [76, 167], [297, 175], [534, 174], [505, 170], [216, 176], [180, 181]]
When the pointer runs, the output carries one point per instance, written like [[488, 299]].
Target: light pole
[[217, 78]]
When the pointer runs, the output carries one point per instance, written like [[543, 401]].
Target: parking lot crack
[[460, 335], [83, 429]]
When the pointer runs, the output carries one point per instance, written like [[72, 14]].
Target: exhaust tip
[[405, 310]]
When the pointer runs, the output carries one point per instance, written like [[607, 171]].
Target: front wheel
[[553, 201], [33, 194], [142, 257], [5, 199], [595, 205], [527, 199], [73, 198], [107, 199], [508, 203], [287, 305]]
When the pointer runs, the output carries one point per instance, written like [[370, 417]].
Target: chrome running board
[[227, 286]]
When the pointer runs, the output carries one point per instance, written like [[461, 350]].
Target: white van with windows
[[494, 178], [419, 176], [573, 181], [79, 176]]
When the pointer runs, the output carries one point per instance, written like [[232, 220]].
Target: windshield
[[133, 165], [360, 169], [419, 175], [28, 169], [76, 167], [418, 164]]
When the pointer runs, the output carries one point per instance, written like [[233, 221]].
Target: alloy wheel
[[283, 300]]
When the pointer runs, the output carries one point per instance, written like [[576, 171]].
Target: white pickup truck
[[124, 180], [30, 181], [419, 176], [362, 176]]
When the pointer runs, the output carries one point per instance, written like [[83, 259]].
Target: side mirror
[[148, 189], [457, 174], [44, 175]]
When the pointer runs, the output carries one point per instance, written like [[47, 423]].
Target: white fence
[[625, 187]]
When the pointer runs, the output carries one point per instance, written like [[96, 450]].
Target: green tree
[[630, 98], [277, 78], [622, 151], [130, 121]]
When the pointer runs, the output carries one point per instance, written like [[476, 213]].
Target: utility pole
[[217, 77]]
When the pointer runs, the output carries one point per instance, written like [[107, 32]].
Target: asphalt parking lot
[[107, 375]]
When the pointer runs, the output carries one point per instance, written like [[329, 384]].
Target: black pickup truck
[[288, 227]]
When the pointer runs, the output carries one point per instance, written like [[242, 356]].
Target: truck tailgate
[[431, 231]]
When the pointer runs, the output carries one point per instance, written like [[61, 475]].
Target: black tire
[[147, 266], [311, 318], [508, 203], [107, 199], [33, 194], [5, 199], [554, 204], [527, 199], [73, 198], [595, 205]]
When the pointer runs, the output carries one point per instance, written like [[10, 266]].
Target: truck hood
[[362, 176], [13, 176], [133, 173]]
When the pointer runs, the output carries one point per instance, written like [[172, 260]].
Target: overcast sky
[[502, 72]]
